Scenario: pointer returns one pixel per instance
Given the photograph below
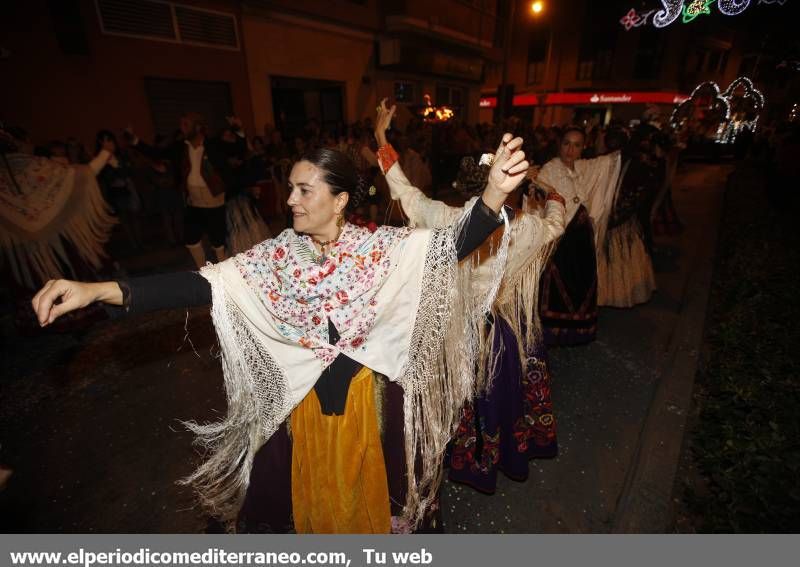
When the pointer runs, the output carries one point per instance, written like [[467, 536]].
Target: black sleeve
[[481, 223], [161, 291]]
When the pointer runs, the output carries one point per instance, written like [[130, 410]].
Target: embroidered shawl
[[41, 202], [396, 299]]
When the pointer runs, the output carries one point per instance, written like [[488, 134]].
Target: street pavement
[[90, 422]]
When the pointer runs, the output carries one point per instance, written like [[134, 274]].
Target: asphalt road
[[90, 422]]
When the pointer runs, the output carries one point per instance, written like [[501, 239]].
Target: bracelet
[[387, 157], [553, 196]]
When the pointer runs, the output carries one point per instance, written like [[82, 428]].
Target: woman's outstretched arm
[[131, 296]]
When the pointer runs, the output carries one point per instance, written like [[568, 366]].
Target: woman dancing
[[511, 420], [568, 296], [305, 322]]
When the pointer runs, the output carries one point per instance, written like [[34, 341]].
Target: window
[[585, 70], [536, 71], [167, 21], [724, 63], [603, 62], [700, 60], [713, 61], [450, 96], [748, 65], [598, 43], [404, 92], [538, 45]]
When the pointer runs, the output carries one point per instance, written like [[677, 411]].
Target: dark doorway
[[298, 102]]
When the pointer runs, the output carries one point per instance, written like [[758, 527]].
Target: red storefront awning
[[599, 98]]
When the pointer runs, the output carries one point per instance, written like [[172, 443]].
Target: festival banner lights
[[668, 14], [634, 19], [696, 8], [690, 10]]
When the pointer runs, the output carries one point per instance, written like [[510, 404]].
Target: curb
[[645, 504]]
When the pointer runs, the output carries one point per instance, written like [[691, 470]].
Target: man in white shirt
[[204, 176]]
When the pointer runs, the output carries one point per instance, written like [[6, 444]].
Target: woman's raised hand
[[508, 170], [383, 121], [58, 297]]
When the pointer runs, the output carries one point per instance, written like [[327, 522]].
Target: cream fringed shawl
[[395, 298], [531, 241], [592, 183], [41, 203]]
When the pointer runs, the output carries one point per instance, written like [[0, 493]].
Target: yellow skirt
[[338, 473]]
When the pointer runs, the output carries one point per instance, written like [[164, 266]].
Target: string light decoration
[[696, 8], [733, 7], [714, 110], [668, 14], [671, 10], [750, 91], [633, 19], [745, 109]]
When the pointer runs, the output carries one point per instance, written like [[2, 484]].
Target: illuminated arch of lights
[[675, 119], [730, 129], [732, 123]]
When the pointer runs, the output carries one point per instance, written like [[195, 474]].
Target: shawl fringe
[[85, 221], [258, 402]]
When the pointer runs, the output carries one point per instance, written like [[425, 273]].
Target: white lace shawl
[[531, 239], [422, 306], [592, 183]]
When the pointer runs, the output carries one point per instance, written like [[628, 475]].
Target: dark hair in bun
[[573, 128], [341, 175], [471, 177]]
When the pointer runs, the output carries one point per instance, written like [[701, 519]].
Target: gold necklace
[[325, 243]]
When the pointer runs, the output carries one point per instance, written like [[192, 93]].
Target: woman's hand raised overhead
[[383, 121], [508, 171]]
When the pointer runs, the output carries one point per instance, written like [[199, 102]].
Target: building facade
[[75, 66], [333, 61], [580, 61], [71, 67]]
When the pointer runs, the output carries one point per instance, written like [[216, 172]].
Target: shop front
[[585, 107]]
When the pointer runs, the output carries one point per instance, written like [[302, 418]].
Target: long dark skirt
[[267, 507], [568, 289], [511, 424]]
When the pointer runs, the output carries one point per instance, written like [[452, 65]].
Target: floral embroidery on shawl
[[304, 293]]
